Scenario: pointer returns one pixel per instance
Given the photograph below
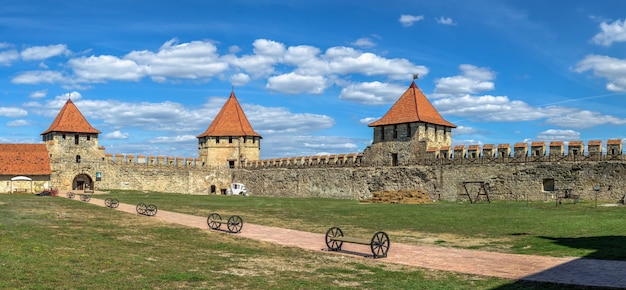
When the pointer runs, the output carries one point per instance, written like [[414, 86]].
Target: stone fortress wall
[[528, 172]]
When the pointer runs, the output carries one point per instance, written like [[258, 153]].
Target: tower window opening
[[230, 139], [77, 158], [548, 184], [76, 139]]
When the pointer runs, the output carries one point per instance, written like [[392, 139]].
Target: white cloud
[[368, 120], [239, 79], [558, 135], [116, 135], [11, 112], [473, 80], [267, 53], [293, 83], [174, 139], [464, 130], [61, 99], [445, 21], [38, 94], [44, 52], [18, 123], [272, 120], [291, 70], [584, 119], [38, 76], [613, 69], [191, 60], [408, 20], [489, 108], [372, 93], [502, 109], [8, 56], [364, 42], [614, 32], [346, 60], [105, 67], [307, 145]]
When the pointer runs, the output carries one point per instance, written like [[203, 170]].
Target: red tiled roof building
[[230, 139], [410, 126], [25, 167]]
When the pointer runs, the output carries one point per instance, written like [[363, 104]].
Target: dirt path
[[588, 272]]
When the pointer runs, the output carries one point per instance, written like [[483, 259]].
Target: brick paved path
[[587, 272]]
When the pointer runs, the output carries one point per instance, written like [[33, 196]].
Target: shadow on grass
[[605, 268], [606, 247]]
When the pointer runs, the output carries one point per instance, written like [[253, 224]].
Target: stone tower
[[229, 140], [405, 132], [73, 149]]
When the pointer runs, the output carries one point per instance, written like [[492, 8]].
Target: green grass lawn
[[541, 228], [56, 243]]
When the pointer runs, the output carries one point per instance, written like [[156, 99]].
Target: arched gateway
[[82, 182]]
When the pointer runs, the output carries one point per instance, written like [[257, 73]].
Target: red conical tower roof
[[412, 107], [230, 121], [71, 120]]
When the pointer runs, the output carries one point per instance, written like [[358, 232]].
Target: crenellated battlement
[[333, 160], [534, 151], [143, 160]]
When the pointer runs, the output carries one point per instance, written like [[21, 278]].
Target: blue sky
[[310, 75]]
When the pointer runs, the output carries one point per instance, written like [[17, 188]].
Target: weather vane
[[416, 76]]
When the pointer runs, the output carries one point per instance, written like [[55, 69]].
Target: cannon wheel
[[380, 245], [151, 210], [141, 208], [108, 201], [114, 203], [235, 223], [332, 244], [70, 195], [85, 197], [214, 221]]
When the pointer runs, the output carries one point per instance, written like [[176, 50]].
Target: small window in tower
[[395, 131], [548, 184], [382, 133], [217, 140], [230, 139], [394, 159], [76, 139], [408, 130], [77, 158], [88, 137], [231, 163], [63, 137], [244, 139]]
